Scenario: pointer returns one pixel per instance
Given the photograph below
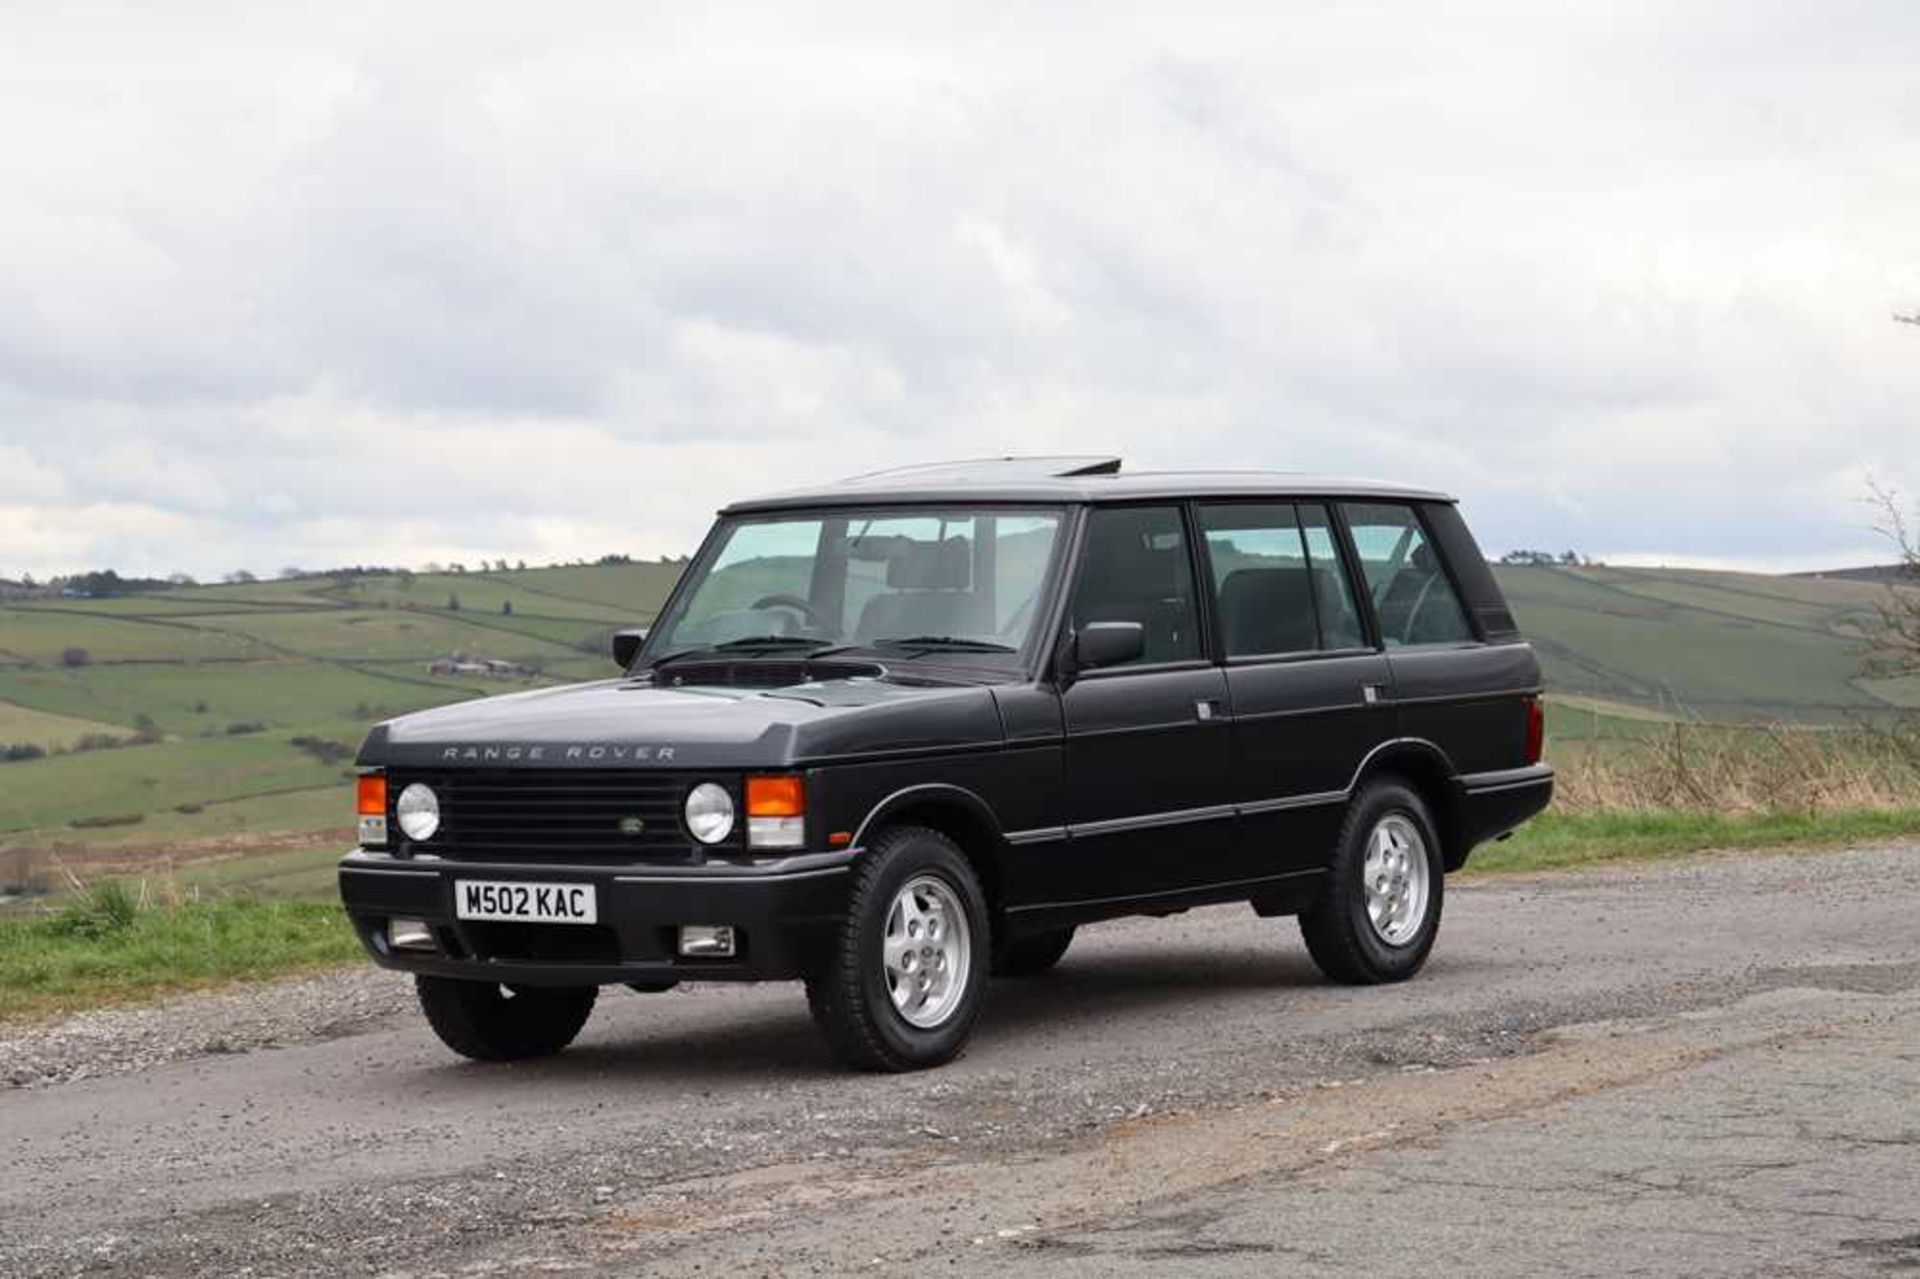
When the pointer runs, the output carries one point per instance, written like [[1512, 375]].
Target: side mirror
[[626, 645], [1108, 644]]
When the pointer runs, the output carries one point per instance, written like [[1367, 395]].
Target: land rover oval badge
[[632, 826]]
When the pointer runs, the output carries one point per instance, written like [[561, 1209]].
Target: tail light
[[371, 803], [1536, 729]]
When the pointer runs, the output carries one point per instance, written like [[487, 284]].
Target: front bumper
[[783, 912]]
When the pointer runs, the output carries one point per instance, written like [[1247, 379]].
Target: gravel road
[[1706, 1067]]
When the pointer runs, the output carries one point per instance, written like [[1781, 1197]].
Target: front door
[[1148, 809]]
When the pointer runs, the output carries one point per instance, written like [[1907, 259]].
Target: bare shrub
[[1763, 769], [1893, 642]]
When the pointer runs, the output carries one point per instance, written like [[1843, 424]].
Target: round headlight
[[709, 813], [419, 812]]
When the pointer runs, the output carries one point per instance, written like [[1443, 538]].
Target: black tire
[[1031, 955], [490, 1022], [1339, 933], [651, 987], [849, 990]]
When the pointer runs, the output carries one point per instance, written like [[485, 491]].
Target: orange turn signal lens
[[776, 797], [373, 795]]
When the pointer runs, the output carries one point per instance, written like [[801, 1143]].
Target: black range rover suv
[[895, 735]]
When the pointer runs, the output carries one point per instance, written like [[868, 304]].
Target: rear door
[[1459, 680], [1147, 748], [1305, 682]]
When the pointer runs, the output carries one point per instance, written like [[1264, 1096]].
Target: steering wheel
[[783, 600]]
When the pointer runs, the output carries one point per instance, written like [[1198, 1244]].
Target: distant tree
[[433, 567], [405, 578], [456, 567], [181, 579], [506, 608], [1894, 639], [290, 572], [73, 657], [240, 577], [522, 566], [453, 603]]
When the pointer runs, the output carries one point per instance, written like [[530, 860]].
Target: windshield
[[949, 579]]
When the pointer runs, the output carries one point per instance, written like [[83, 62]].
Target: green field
[[1722, 647], [228, 677]]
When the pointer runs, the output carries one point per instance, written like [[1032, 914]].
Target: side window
[[1134, 568], [1332, 592], [1411, 595], [1262, 582]]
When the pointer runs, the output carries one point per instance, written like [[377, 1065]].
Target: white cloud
[[410, 284]]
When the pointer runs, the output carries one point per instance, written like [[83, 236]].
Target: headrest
[[931, 566], [1277, 588]]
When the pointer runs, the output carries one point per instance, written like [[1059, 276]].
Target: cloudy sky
[[433, 287]]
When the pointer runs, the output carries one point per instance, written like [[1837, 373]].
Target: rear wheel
[[1031, 955], [1377, 917], [901, 986], [490, 1022]]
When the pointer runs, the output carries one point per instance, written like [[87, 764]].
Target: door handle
[[1207, 709], [1373, 694]]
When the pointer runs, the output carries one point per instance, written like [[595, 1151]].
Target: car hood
[[629, 723]]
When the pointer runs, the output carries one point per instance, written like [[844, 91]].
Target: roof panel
[[1070, 479]]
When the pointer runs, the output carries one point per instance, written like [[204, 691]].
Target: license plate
[[524, 902]]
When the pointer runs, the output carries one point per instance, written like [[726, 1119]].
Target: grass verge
[[1556, 839], [107, 947]]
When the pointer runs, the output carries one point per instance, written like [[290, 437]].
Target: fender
[[1382, 756], [944, 793]]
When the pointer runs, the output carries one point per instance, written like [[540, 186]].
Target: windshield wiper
[[778, 643], [944, 644]]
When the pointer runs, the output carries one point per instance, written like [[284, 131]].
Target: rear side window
[[1277, 583], [1135, 568], [1412, 597]]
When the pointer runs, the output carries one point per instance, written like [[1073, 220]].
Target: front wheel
[[900, 988], [1376, 919], [490, 1022]]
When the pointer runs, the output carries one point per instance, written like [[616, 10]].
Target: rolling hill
[[239, 706], [1723, 647]]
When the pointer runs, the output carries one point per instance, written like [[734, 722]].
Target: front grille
[[502, 815]]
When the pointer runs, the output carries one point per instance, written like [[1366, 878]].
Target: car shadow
[[769, 1041]]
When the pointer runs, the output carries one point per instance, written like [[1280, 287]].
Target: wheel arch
[[955, 812], [1425, 767]]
